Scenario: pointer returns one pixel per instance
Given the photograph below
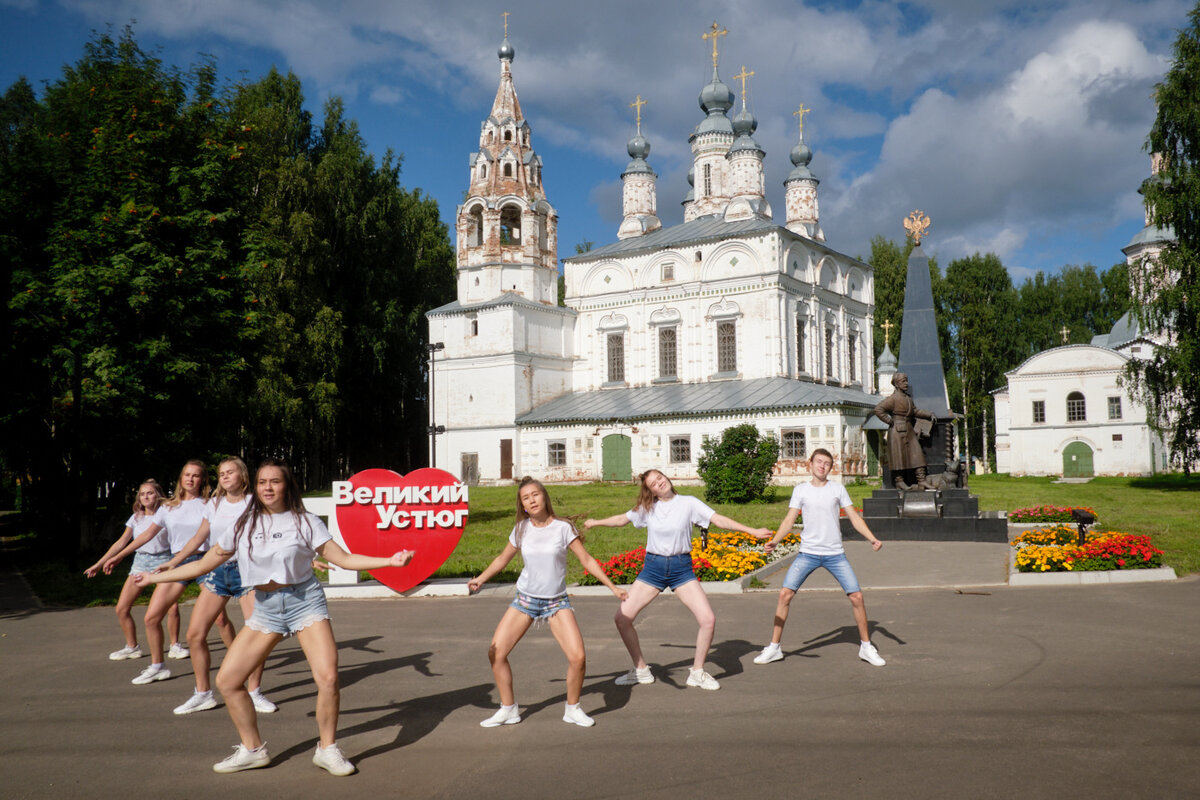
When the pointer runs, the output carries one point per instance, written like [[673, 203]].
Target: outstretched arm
[[498, 563], [785, 528], [211, 560], [144, 537], [860, 525], [332, 552], [192, 546], [722, 521], [125, 536], [590, 564], [615, 521]]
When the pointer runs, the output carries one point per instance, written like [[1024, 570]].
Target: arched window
[[510, 225], [483, 170], [475, 226], [508, 136], [1076, 407], [508, 170], [708, 180]]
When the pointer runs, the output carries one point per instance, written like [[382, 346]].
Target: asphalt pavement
[[990, 691]]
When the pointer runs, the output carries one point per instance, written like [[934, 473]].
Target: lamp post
[[433, 429]]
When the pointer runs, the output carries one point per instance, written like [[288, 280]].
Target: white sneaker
[[244, 758], [701, 679], [262, 705], [868, 653], [126, 652], [574, 715], [635, 676], [770, 653], [505, 716], [177, 651], [333, 761], [199, 701], [154, 672]]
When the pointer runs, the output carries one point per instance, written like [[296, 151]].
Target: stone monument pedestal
[[946, 515]]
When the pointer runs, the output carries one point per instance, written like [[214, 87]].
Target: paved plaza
[[989, 691]]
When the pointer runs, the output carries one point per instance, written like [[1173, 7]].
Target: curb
[[1091, 578]]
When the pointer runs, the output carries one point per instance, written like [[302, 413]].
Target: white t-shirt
[[139, 523], [183, 521], [669, 523], [221, 515], [544, 551], [277, 550], [820, 508]]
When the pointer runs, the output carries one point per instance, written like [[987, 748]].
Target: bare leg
[[781, 614], [129, 593], [246, 601], [860, 615], [692, 595], [640, 595], [224, 626], [320, 649], [250, 648], [511, 628], [165, 596], [208, 607], [566, 632], [173, 621]]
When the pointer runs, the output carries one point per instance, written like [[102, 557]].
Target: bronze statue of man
[[900, 414]]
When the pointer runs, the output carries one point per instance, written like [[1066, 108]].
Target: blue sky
[[1017, 127]]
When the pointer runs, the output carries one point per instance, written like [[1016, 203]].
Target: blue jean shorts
[[225, 581], [144, 562], [540, 607], [290, 609], [663, 572], [188, 560], [838, 566]]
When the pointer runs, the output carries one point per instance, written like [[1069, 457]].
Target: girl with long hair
[[218, 587], [146, 529], [183, 513], [668, 518], [275, 540], [543, 539]]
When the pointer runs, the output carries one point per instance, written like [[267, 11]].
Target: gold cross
[[887, 330], [638, 105], [716, 32], [1065, 333], [800, 112], [505, 15], [743, 76]]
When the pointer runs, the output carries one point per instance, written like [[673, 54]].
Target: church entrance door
[[615, 452], [1077, 460]]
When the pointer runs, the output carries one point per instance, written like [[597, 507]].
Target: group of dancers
[[238, 541]]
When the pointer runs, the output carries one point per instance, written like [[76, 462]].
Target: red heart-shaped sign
[[381, 512]]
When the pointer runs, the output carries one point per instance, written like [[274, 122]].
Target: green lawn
[[1167, 508]]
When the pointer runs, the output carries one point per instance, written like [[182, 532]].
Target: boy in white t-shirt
[[820, 500]]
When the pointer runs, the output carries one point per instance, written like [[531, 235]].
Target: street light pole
[[433, 430]]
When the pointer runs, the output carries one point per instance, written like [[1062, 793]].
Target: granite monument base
[[948, 515]]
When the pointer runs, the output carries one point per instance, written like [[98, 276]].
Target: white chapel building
[[1064, 411], [668, 336]]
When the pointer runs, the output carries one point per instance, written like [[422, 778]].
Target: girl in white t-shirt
[[145, 526], [275, 541], [543, 540], [218, 587], [182, 515], [668, 518]]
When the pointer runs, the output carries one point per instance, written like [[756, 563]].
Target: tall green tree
[[1168, 286]]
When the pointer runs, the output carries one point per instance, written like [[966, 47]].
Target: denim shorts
[[837, 565], [663, 572], [144, 562], [188, 560], [289, 609], [540, 607], [225, 581]]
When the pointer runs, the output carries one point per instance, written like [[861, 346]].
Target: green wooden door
[[1077, 460], [615, 452]]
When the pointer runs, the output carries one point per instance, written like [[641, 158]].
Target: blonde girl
[[147, 527], [668, 518]]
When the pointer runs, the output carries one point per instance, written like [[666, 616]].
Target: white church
[[1064, 410], [668, 336]]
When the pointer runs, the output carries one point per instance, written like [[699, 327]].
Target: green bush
[[737, 469]]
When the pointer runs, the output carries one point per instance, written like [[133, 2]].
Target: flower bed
[[728, 556], [1056, 549], [1046, 514]]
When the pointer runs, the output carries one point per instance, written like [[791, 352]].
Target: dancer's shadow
[[413, 719], [352, 674], [847, 634], [727, 655]]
